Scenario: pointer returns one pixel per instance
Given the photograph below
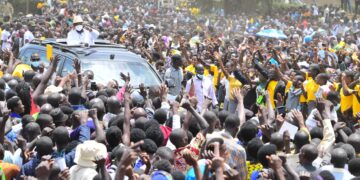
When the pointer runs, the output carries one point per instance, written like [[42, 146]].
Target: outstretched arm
[[202, 122], [218, 58], [46, 77], [100, 134], [240, 107], [5, 117]]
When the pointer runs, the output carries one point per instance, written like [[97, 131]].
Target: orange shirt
[[10, 170]]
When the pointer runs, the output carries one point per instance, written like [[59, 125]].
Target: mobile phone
[[281, 110]]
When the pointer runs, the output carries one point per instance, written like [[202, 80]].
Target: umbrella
[[272, 33]]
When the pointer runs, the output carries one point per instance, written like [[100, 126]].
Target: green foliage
[[278, 5], [20, 6]]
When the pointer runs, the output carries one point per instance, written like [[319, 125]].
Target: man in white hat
[[80, 35]]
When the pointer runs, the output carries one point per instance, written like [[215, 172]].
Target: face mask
[[35, 64], [200, 76], [337, 107], [79, 27]]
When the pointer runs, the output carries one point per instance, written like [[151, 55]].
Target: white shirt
[[338, 173], [6, 38], [224, 81], [75, 38], [204, 87], [28, 36], [82, 173], [326, 12], [315, 10]]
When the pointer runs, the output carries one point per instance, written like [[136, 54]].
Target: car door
[[46, 62]]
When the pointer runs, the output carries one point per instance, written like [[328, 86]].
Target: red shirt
[[34, 107], [166, 131]]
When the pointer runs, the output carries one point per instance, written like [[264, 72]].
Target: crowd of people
[[233, 105]]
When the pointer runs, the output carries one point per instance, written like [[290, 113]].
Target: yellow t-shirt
[[20, 69], [191, 68], [336, 86], [311, 88], [302, 99], [288, 86], [233, 83], [345, 101], [271, 89], [356, 103], [215, 71]]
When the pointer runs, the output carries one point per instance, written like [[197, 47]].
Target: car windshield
[[104, 70]]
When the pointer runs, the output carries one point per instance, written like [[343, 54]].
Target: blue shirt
[[69, 157], [81, 133], [78, 107], [28, 169], [11, 135]]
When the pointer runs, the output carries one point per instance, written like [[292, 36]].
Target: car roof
[[81, 51]]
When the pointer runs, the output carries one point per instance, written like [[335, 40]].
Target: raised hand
[[324, 107], [339, 125], [55, 60], [43, 170], [217, 56], [189, 158], [238, 95], [64, 175], [186, 105], [126, 78], [298, 117], [145, 158], [207, 102], [93, 113], [83, 116], [217, 162], [164, 92], [128, 90], [76, 65], [129, 155], [274, 161]]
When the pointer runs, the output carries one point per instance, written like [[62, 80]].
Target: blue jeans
[[230, 105]]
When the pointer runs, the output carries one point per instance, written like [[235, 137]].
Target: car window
[[104, 70], [47, 62], [25, 57], [67, 67], [43, 58]]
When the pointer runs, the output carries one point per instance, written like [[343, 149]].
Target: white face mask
[[79, 27]]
